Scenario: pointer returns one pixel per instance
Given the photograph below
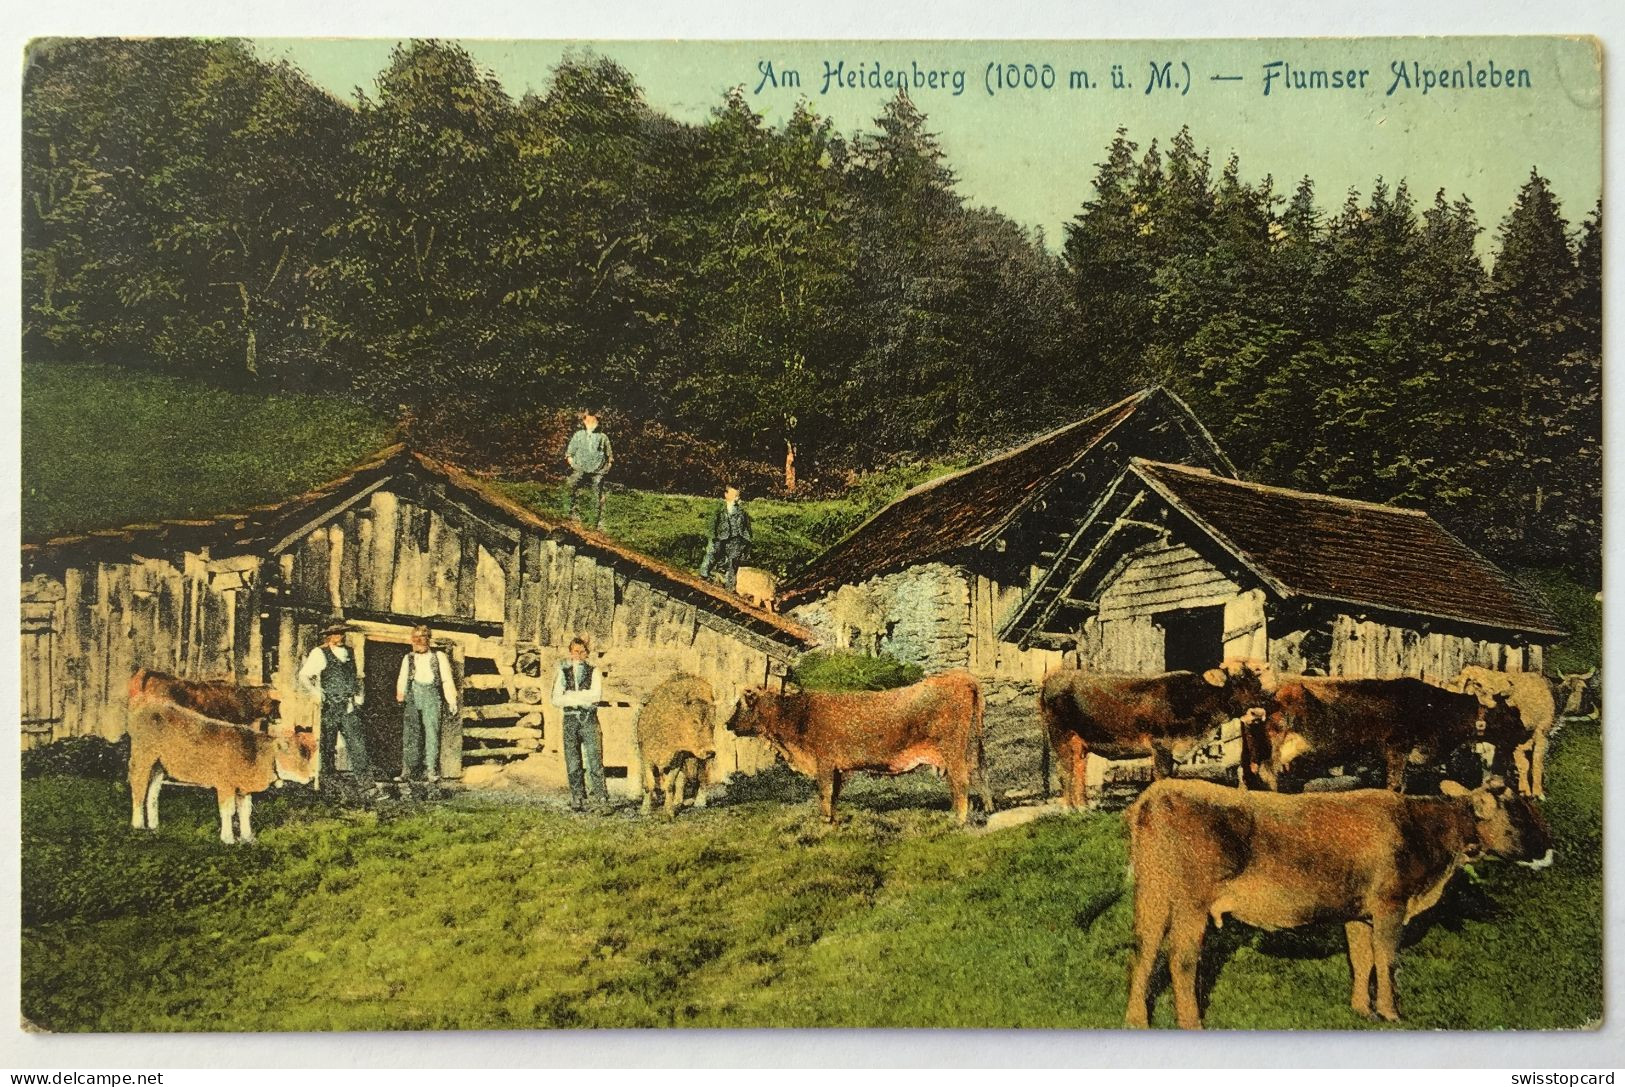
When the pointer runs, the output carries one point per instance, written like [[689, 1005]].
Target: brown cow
[[220, 699], [1529, 696], [1317, 722], [676, 735], [1369, 858], [1125, 716], [826, 734], [170, 742]]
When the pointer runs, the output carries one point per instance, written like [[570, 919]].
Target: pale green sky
[[1031, 153]]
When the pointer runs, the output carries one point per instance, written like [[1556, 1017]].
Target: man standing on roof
[[590, 458], [730, 538], [425, 685], [577, 689], [329, 673]]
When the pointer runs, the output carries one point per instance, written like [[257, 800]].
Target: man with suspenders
[[425, 686]]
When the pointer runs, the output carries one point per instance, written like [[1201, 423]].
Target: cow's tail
[[1131, 817]]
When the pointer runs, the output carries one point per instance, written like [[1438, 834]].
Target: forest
[[732, 292]]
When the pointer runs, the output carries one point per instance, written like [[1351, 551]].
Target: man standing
[[730, 538], [329, 673], [590, 458], [577, 691], [425, 685]]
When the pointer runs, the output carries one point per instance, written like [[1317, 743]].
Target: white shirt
[[579, 699], [310, 672], [419, 667]]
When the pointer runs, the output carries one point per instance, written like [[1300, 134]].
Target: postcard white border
[[862, 19]]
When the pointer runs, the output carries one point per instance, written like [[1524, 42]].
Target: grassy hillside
[[673, 527], [491, 913], [104, 446]]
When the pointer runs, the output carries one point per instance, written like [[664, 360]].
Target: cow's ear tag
[[1452, 788], [1215, 676]]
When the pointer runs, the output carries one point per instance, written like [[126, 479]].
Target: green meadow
[[490, 912]]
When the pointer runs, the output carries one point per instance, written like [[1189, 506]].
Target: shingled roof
[[966, 508], [1350, 552], [269, 528]]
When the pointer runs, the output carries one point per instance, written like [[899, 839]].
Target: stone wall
[[1013, 741], [921, 616]]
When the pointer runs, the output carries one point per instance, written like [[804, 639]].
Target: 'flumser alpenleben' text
[[1281, 76], [1278, 78]]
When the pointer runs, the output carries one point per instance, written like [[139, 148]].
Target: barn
[[931, 578], [1124, 542], [1179, 567], [398, 540]]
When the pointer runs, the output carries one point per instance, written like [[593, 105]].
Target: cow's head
[[1243, 686], [1507, 825], [750, 713], [1482, 683], [267, 704], [293, 756]]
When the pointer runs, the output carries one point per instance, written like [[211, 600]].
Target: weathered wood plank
[[385, 522], [583, 592], [500, 680], [351, 590], [404, 590], [467, 587], [512, 732], [602, 622], [490, 585], [505, 752], [559, 589], [634, 613], [443, 563]]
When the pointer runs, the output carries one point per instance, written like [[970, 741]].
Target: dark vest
[[339, 679], [571, 685], [570, 676]]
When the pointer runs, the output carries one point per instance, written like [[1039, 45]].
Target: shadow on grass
[[918, 790]]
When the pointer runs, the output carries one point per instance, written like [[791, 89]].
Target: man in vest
[[590, 458], [730, 538], [577, 691], [329, 673], [425, 686]]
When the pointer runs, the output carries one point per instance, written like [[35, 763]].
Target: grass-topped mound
[[104, 446]]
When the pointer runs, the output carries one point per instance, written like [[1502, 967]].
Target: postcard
[[973, 534]]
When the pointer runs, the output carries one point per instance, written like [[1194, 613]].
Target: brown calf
[[170, 742]]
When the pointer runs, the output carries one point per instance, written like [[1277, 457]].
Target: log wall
[[497, 598]]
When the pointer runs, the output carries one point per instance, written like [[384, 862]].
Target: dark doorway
[[1192, 638], [380, 713]]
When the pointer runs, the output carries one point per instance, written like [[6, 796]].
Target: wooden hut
[[399, 540], [1177, 567], [931, 578]]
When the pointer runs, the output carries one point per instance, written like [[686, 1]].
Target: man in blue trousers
[[577, 690], [426, 686]]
